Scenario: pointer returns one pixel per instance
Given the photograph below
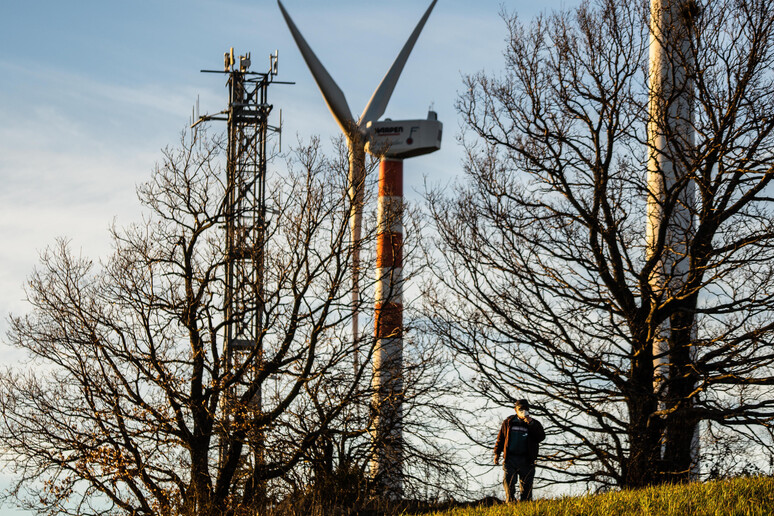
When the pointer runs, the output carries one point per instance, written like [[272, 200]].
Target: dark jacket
[[535, 434]]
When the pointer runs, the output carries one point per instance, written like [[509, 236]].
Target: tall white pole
[[671, 199]]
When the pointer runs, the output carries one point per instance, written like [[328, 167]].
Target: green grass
[[742, 496]]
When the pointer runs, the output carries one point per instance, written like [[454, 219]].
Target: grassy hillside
[[742, 496]]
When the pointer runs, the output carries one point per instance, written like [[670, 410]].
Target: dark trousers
[[522, 472]]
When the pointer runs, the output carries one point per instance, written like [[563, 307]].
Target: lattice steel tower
[[247, 118]]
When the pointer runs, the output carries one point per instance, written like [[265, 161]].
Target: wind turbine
[[392, 141]]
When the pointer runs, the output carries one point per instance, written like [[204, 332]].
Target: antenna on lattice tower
[[246, 117]]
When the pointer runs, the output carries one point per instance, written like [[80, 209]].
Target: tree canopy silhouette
[[543, 280]]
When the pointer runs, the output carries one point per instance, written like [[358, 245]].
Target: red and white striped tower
[[387, 384]]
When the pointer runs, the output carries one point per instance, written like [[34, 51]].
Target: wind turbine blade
[[331, 92], [381, 96]]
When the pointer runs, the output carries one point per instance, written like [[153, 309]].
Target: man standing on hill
[[518, 442]]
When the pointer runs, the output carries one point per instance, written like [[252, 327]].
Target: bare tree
[[337, 473], [543, 275], [128, 404]]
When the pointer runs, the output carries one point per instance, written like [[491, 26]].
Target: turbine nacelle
[[401, 139]]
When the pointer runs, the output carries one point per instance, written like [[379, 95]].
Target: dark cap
[[522, 404]]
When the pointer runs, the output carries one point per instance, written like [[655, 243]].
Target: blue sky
[[91, 90]]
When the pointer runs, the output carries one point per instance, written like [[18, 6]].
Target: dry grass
[[740, 497]]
